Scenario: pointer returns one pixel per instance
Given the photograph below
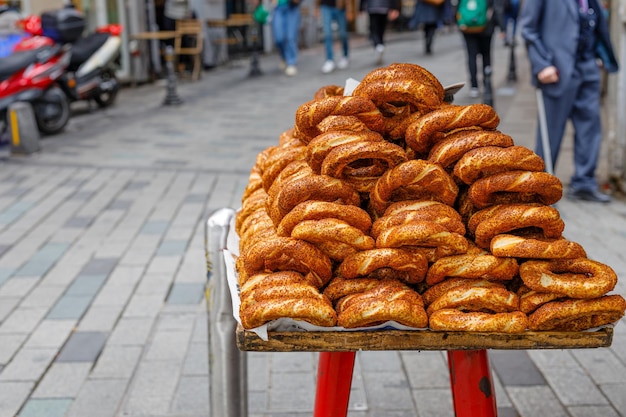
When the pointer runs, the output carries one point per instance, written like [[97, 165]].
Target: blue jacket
[[550, 29]]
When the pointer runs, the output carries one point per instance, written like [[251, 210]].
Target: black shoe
[[588, 195]]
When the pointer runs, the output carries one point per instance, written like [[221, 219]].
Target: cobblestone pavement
[[102, 267]]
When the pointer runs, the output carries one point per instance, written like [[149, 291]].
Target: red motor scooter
[[33, 73]]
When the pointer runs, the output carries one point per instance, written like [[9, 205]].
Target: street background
[[102, 267]]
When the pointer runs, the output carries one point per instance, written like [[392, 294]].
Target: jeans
[[329, 14], [286, 26]]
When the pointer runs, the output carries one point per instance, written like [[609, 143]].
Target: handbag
[[433, 2]]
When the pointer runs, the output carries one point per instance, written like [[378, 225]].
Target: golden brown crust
[[473, 264], [455, 320], [321, 145], [420, 135], [451, 223], [318, 312], [424, 234], [339, 287], [505, 245], [516, 187], [364, 263], [576, 315], [575, 278], [437, 290], [453, 146], [489, 160], [419, 179], [530, 300], [317, 210], [476, 298], [328, 91]]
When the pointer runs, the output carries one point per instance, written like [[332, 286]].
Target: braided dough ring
[[420, 135], [295, 169], [311, 113], [489, 160], [475, 298], [317, 311], [390, 300], [575, 278], [284, 253], [505, 245], [346, 123], [332, 230], [530, 300], [317, 210], [473, 264], [422, 233], [402, 83], [339, 287], [516, 187], [450, 149], [363, 263], [455, 320], [437, 290], [277, 285], [416, 177], [278, 160], [385, 153], [503, 218], [409, 211], [321, 145], [576, 315], [328, 91], [309, 187]]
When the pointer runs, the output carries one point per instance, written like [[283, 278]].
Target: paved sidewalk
[[102, 267]]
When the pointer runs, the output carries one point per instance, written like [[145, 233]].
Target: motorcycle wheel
[[52, 111], [106, 97]]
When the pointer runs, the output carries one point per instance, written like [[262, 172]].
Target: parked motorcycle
[[32, 73], [91, 72]]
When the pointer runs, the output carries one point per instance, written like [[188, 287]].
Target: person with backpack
[[430, 15], [565, 40], [477, 20]]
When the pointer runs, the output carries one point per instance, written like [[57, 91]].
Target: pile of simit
[[391, 204]]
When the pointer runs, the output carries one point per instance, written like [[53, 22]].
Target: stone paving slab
[[102, 266]]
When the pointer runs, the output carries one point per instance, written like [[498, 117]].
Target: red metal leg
[[472, 387], [334, 379]]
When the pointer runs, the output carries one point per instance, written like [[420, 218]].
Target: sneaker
[[282, 65], [474, 93], [380, 49], [588, 195], [343, 63], [291, 70], [328, 67]]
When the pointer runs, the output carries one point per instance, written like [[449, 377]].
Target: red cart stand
[[470, 374]]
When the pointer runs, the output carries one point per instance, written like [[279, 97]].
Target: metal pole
[[171, 95], [543, 126], [512, 75], [227, 365]]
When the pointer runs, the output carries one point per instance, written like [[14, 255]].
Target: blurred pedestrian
[[429, 14], [511, 12], [564, 40], [341, 12], [286, 29], [478, 41], [379, 13]]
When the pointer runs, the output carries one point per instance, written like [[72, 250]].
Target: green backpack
[[471, 15]]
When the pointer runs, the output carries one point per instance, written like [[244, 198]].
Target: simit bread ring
[[321, 145], [423, 233], [389, 300], [284, 253], [277, 285], [278, 160], [475, 263], [316, 210], [576, 315], [417, 178], [455, 320], [409, 211], [310, 187], [313, 112], [504, 218], [339, 287], [328, 91], [437, 290], [420, 134], [530, 300], [476, 298], [411, 265], [402, 83], [332, 230], [516, 187], [505, 245], [317, 311], [363, 154], [489, 160], [450, 149], [575, 278], [347, 123]]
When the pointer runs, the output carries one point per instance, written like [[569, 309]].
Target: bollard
[[171, 96], [255, 68], [488, 93], [23, 129], [512, 75], [227, 365]]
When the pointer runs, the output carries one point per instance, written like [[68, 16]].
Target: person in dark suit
[[564, 40], [429, 17]]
